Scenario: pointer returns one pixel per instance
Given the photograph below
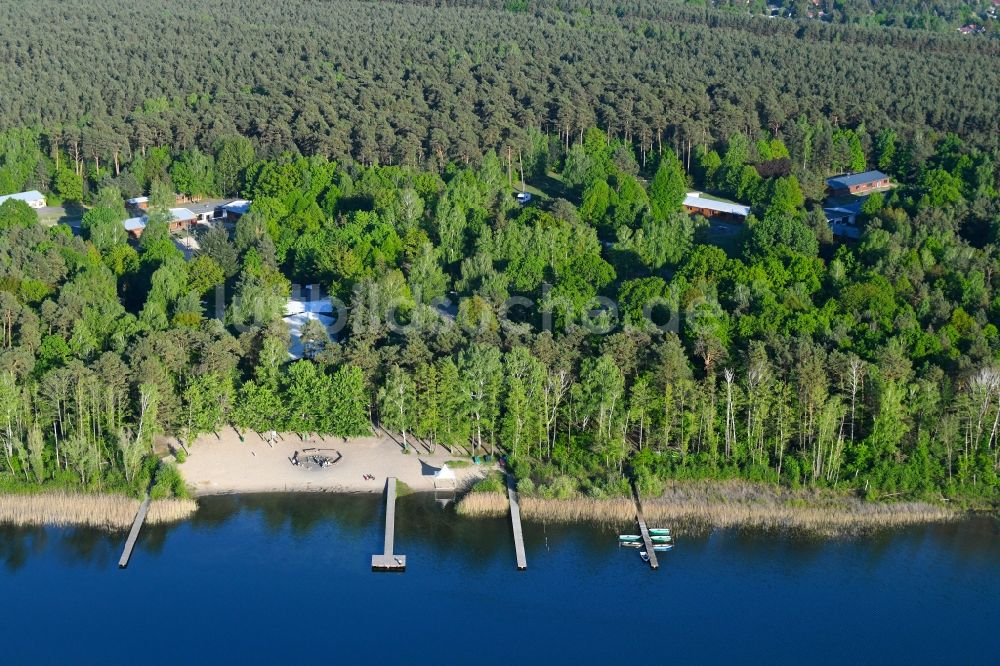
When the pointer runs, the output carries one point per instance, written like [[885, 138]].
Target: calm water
[[280, 578]]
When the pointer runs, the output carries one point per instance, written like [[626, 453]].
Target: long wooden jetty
[[644, 531], [133, 534], [389, 561], [515, 520]]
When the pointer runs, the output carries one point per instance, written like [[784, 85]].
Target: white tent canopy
[[445, 474]]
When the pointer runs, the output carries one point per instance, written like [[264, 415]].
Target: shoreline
[[99, 510], [225, 464], [723, 505], [826, 515], [221, 492], [320, 490]]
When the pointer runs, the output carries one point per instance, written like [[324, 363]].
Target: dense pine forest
[[412, 82], [594, 334]]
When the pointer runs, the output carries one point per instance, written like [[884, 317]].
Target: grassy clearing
[[546, 189], [458, 464], [102, 511], [492, 483], [723, 504], [725, 235]]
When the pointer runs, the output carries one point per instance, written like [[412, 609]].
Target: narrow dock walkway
[[515, 519], [646, 540], [133, 534], [389, 561]]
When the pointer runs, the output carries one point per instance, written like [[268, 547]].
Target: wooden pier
[[646, 540], [133, 534], [389, 561], [515, 520]]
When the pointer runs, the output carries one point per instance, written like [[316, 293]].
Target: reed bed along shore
[[723, 504], [111, 512]]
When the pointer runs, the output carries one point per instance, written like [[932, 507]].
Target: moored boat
[[661, 547], [659, 531], [629, 537], [661, 539], [630, 544], [644, 555]]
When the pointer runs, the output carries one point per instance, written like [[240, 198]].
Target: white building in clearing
[[137, 203], [181, 219], [135, 226], [298, 311], [234, 210], [696, 204], [33, 198]]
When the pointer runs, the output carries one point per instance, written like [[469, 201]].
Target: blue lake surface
[[282, 578]]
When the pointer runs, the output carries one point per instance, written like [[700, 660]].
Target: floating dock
[[133, 534], [515, 520], [389, 561], [644, 531]]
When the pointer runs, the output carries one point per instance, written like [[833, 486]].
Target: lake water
[[276, 579]]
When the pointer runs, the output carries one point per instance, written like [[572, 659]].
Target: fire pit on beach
[[315, 458]]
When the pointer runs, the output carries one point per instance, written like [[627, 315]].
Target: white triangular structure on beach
[[445, 473], [445, 477]]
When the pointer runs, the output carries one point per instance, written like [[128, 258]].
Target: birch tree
[[396, 402], [10, 405], [480, 367]]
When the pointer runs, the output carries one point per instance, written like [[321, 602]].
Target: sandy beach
[[223, 464]]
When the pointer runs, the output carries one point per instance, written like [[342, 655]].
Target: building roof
[[838, 213], [200, 208], [181, 214], [295, 323], [30, 195], [854, 179], [177, 214], [240, 206], [695, 200], [135, 223], [849, 208]]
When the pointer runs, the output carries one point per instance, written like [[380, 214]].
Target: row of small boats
[[659, 536], [662, 536], [653, 531]]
